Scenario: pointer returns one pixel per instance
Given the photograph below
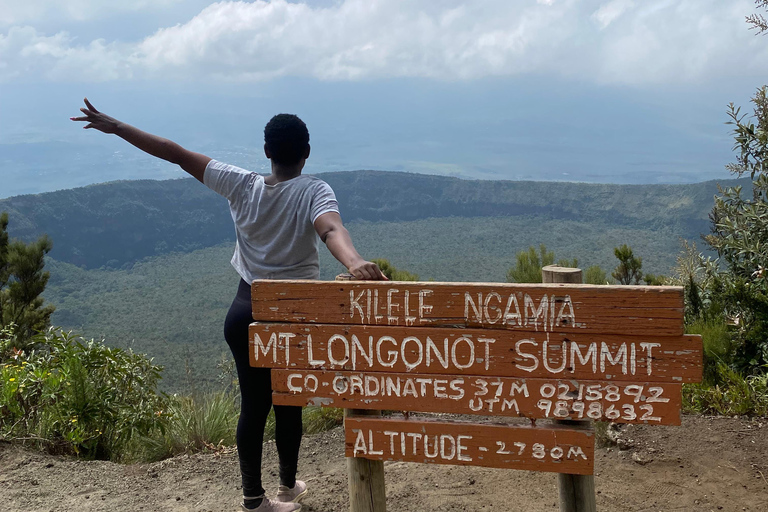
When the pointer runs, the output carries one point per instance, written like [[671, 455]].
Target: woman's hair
[[286, 138]]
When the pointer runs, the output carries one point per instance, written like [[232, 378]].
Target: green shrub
[[739, 231], [725, 388], [595, 275], [393, 273], [320, 419], [718, 346], [74, 396], [734, 394], [194, 424], [527, 268]]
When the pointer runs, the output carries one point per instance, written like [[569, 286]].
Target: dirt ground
[[707, 464]]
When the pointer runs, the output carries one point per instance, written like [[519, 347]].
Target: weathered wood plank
[[497, 352], [553, 449], [654, 403], [636, 310]]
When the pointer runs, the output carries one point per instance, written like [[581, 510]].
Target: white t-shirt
[[274, 224]]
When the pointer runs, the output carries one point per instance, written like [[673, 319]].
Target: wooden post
[[365, 477], [577, 492]]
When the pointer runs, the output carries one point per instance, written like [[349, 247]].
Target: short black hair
[[286, 138]]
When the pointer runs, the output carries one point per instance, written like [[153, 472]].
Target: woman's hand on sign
[[368, 271], [336, 237]]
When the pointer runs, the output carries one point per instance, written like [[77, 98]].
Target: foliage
[[74, 396], [208, 422], [735, 394], [320, 419], [693, 302], [654, 280], [527, 269], [392, 273], [718, 346], [22, 281], [758, 21], [740, 225], [702, 284], [193, 424], [629, 269], [595, 275], [739, 234]]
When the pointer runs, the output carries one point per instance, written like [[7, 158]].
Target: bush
[[724, 389], [73, 396], [735, 394], [718, 346], [738, 233], [393, 273], [320, 419], [595, 275], [194, 424], [527, 268]]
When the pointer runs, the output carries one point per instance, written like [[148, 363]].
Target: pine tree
[[527, 269], [629, 269], [22, 281]]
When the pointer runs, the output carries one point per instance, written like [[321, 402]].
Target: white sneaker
[[294, 495], [268, 505]]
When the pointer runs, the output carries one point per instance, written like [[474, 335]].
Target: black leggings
[[256, 400]]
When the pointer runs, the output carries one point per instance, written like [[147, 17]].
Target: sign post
[[577, 492], [365, 477], [552, 351]]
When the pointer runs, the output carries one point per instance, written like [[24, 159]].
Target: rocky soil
[[707, 464]]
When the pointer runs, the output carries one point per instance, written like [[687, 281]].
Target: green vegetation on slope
[[22, 281], [73, 396], [173, 306]]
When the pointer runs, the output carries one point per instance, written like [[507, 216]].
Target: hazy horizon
[[598, 91]]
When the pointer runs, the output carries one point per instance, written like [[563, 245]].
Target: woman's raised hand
[[96, 119]]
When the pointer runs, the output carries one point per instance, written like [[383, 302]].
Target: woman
[[278, 219]]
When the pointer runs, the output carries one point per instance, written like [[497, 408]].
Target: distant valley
[[145, 263]]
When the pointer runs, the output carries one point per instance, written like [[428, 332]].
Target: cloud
[[19, 12], [358, 39], [620, 41], [609, 12], [26, 53]]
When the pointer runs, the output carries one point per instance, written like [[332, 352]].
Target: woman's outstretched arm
[[191, 162], [336, 237]]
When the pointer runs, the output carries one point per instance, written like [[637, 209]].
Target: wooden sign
[[650, 403], [548, 351], [495, 352], [559, 450], [636, 310]]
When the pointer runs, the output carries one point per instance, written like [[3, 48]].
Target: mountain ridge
[[117, 223]]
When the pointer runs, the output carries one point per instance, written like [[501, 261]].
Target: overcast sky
[[588, 90]]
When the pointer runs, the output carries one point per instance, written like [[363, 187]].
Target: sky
[[618, 91]]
